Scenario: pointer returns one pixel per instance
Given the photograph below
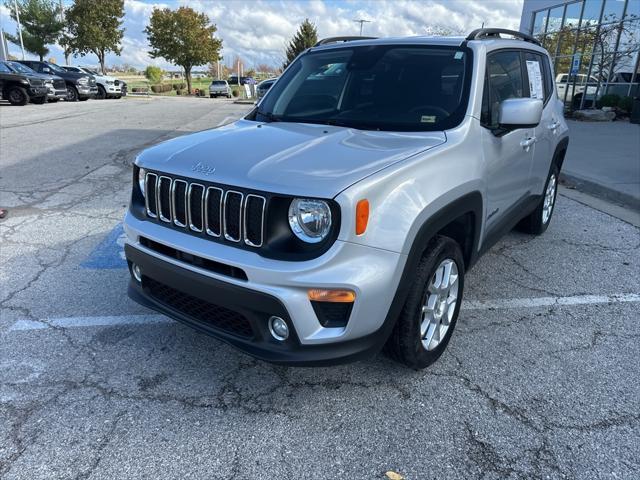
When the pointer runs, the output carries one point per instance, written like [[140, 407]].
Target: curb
[[600, 191]]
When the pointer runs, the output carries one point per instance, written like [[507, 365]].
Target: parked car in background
[[219, 88], [56, 86], [565, 83], [80, 86], [233, 80], [108, 86], [20, 88], [263, 87]]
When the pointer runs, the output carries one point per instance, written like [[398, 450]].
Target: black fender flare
[[560, 153], [469, 203]]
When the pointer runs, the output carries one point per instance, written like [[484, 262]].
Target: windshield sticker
[[458, 55], [535, 79], [428, 119]]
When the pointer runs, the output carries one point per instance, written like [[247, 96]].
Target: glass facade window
[[572, 15], [595, 48], [555, 19]]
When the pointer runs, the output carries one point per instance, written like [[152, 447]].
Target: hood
[[46, 76], [289, 158], [74, 75]]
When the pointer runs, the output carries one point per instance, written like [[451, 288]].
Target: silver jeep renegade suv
[[341, 214]]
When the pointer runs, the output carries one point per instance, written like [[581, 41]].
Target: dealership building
[[594, 44]]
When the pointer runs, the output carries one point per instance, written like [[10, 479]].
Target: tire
[[536, 222], [72, 94], [39, 100], [17, 96], [212, 96], [102, 93], [430, 312]]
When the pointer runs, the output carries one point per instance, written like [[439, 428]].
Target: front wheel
[[536, 222], [102, 93], [39, 100], [430, 312], [72, 94]]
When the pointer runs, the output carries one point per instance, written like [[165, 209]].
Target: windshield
[[219, 82], [380, 87], [55, 67], [18, 67], [4, 68]]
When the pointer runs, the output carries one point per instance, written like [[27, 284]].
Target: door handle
[[553, 126], [527, 142]]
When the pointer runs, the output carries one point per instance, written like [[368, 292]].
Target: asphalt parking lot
[[541, 378]]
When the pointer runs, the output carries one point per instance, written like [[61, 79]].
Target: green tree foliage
[[94, 26], [41, 24], [184, 37], [153, 74], [305, 37]]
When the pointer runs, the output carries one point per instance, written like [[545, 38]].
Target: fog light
[[137, 273], [278, 328]]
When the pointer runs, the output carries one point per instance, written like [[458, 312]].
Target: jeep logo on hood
[[204, 169]]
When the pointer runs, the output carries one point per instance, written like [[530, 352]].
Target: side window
[[504, 80], [538, 87]]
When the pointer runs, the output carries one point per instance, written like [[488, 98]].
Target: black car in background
[[263, 87], [56, 86], [20, 88], [80, 86]]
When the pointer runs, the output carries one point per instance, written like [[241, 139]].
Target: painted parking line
[[550, 301], [514, 303]]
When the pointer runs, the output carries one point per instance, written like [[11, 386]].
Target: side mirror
[[517, 113]]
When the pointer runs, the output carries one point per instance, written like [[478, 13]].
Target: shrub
[[179, 86], [153, 74], [609, 100], [139, 90], [235, 93], [625, 104], [161, 88]]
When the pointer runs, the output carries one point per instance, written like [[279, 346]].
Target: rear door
[[508, 155]]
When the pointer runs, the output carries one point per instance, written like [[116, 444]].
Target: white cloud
[[259, 30]]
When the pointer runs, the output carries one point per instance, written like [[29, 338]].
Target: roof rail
[[489, 33], [325, 41]]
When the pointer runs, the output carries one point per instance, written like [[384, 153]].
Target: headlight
[[142, 173], [83, 80], [310, 219], [109, 82], [48, 83]]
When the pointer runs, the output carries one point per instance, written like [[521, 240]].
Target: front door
[[508, 155]]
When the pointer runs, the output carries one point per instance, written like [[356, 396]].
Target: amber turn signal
[[335, 296], [362, 216]]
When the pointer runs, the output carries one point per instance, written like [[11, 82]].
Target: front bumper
[[37, 91], [273, 287], [57, 94]]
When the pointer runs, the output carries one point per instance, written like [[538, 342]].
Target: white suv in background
[[343, 212], [108, 87]]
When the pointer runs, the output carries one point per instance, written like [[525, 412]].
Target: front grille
[[116, 82], [59, 85], [200, 310], [209, 210]]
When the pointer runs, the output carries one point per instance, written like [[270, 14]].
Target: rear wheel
[[17, 96], [72, 93], [430, 312], [537, 222]]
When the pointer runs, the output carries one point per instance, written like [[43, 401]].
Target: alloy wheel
[[549, 198], [439, 304]]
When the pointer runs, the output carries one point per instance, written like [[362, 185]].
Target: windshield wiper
[[269, 116]]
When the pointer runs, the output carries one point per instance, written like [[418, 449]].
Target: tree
[[153, 74], [184, 37], [41, 24], [94, 26], [305, 37]]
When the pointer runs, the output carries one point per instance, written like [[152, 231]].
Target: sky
[[258, 30]]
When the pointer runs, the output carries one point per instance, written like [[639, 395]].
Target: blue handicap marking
[[109, 253]]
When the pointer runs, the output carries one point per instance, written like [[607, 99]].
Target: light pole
[[362, 22], [15, 4]]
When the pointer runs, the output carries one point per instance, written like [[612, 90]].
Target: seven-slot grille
[[218, 213]]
